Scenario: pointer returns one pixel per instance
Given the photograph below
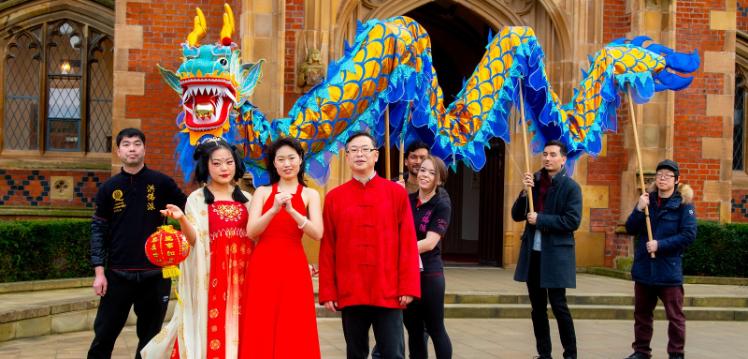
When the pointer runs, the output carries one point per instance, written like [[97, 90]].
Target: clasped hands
[[282, 200]]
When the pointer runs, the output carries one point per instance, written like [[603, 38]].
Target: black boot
[[675, 355]]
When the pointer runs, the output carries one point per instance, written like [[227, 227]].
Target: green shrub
[[44, 249], [624, 263], [719, 250]]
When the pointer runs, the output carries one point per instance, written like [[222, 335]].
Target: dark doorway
[[458, 40]]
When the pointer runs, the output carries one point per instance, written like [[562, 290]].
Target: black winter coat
[[562, 213]]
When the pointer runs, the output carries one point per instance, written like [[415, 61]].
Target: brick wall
[[21, 187], [294, 24], [166, 25], [742, 20], [606, 171], [693, 31]]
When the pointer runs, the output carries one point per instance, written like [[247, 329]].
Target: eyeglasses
[[664, 176], [363, 150]]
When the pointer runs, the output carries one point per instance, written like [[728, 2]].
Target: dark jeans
[[539, 298], [645, 300], [428, 313], [147, 291], [388, 331]]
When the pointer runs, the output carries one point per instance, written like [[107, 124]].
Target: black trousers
[[388, 331], [539, 298], [147, 291], [426, 315]]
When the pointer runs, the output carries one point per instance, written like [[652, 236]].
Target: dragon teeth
[[208, 90]]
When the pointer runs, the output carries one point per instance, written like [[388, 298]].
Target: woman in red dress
[[205, 323], [279, 318]]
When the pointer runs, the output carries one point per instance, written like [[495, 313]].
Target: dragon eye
[[223, 61]]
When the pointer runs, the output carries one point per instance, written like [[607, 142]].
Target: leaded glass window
[[69, 108], [739, 118], [21, 100]]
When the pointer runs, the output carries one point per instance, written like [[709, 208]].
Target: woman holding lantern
[[278, 318], [206, 321]]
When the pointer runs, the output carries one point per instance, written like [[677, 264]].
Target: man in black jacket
[[127, 212], [547, 259], [673, 219]]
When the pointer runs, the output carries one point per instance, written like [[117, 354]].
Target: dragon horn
[[228, 25], [199, 30]]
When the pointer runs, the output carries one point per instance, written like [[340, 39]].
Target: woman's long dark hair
[[202, 173], [270, 158]]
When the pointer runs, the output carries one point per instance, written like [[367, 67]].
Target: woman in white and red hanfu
[[206, 322]]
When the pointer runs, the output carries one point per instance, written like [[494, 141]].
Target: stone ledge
[[44, 212], [689, 279], [36, 285], [73, 320]]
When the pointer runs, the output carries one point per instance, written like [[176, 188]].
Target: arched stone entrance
[[459, 32]]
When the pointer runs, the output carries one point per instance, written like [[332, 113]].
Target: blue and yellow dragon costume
[[388, 67]]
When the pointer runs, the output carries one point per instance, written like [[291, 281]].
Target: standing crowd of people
[[246, 287]]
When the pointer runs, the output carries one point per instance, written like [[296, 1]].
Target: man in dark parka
[[673, 219], [547, 261]]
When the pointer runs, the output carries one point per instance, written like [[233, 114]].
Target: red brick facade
[[691, 120], [603, 171], [165, 26], [294, 24]]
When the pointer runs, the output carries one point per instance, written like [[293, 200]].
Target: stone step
[[77, 311], [588, 299], [579, 311], [592, 299]]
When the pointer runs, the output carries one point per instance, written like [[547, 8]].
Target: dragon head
[[211, 80]]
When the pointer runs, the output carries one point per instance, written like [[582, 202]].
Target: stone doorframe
[[554, 23]]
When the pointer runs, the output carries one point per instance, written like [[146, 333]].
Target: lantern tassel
[[176, 293], [171, 272]]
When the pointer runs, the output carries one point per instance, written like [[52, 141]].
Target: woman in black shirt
[[431, 210]]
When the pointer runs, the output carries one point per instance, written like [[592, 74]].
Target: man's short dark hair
[[359, 134], [562, 147], [415, 146], [130, 132]]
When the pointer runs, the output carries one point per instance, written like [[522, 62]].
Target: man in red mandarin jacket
[[368, 255]]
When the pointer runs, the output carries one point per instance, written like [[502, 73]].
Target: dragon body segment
[[388, 67]]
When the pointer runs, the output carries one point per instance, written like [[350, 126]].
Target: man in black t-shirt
[[127, 212]]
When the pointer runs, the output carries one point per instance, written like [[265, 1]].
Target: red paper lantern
[[166, 248]]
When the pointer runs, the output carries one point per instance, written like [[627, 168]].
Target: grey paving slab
[[471, 338]]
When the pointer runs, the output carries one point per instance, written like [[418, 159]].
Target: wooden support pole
[[639, 161], [526, 147]]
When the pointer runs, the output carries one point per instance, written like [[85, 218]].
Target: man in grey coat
[[547, 261]]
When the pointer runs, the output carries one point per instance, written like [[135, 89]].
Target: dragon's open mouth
[[206, 102]]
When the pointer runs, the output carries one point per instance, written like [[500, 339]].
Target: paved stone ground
[[471, 339], [462, 280]]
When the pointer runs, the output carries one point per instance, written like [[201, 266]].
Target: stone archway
[[553, 22], [545, 16]]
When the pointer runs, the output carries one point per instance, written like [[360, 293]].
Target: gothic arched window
[[739, 119], [57, 93]]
